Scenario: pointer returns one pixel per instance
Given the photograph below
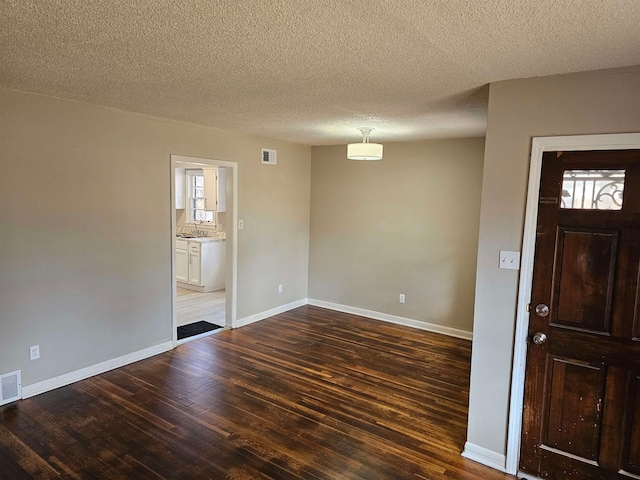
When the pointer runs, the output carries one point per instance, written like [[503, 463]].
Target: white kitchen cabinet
[[181, 188], [200, 266], [182, 261], [195, 265], [215, 189]]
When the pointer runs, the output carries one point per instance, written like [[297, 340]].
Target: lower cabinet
[[182, 262], [195, 269], [200, 266]]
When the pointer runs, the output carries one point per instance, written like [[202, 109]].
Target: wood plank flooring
[[308, 394], [193, 307]]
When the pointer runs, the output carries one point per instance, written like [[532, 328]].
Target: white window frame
[[190, 176]]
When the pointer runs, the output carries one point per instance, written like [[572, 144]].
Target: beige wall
[[85, 225], [85, 240], [588, 103], [406, 224]]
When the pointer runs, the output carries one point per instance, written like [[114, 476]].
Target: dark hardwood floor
[[308, 394]]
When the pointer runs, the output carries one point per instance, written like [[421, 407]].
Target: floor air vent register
[[10, 387]]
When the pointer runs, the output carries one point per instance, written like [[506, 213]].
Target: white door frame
[[622, 141], [231, 294]]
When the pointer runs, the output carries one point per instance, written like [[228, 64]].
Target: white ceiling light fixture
[[364, 150]]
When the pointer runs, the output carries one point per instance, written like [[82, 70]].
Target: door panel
[[636, 310], [631, 447], [581, 415], [584, 288], [573, 418], [195, 277], [182, 266]]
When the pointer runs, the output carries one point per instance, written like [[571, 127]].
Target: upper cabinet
[[215, 189], [181, 188]]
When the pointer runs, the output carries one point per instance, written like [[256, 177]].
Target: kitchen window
[[196, 201]]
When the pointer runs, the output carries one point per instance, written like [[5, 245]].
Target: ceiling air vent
[[10, 387], [269, 157]]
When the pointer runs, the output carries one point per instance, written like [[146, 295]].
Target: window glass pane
[[199, 192], [199, 179], [202, 216], [198, 203], [593, 189]]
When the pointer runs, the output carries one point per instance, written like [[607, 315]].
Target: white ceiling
[[308, 71]]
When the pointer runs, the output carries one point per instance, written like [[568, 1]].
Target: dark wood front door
[[582, 388]]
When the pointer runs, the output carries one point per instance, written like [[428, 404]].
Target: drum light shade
[[364, 150]]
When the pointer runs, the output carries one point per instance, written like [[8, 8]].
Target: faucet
[[198, 232]]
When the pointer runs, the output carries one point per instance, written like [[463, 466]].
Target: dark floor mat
[[197, 328]]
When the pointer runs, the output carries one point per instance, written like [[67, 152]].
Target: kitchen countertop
[[215, 238]]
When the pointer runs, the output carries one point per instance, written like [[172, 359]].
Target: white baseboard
[[67, 378], [269, 313], [385, 317], [485, 456]]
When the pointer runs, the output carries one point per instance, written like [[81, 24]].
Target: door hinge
[[528, 307]]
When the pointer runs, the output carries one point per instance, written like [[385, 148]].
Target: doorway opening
[[203, 246]]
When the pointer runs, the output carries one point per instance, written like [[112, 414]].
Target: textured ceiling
[[308, 71]]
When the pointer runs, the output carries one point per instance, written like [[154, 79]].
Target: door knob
[[542, 310], [539, 338]]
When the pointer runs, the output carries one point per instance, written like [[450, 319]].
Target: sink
[[186, 235]]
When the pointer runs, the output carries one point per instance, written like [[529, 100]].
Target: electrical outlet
[[279, 288], [34, 352], [401, 299], [240, 224]]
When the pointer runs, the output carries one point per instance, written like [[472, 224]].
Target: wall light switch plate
[[401, 298], [240, 224], [509, 260], [34, 352]]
